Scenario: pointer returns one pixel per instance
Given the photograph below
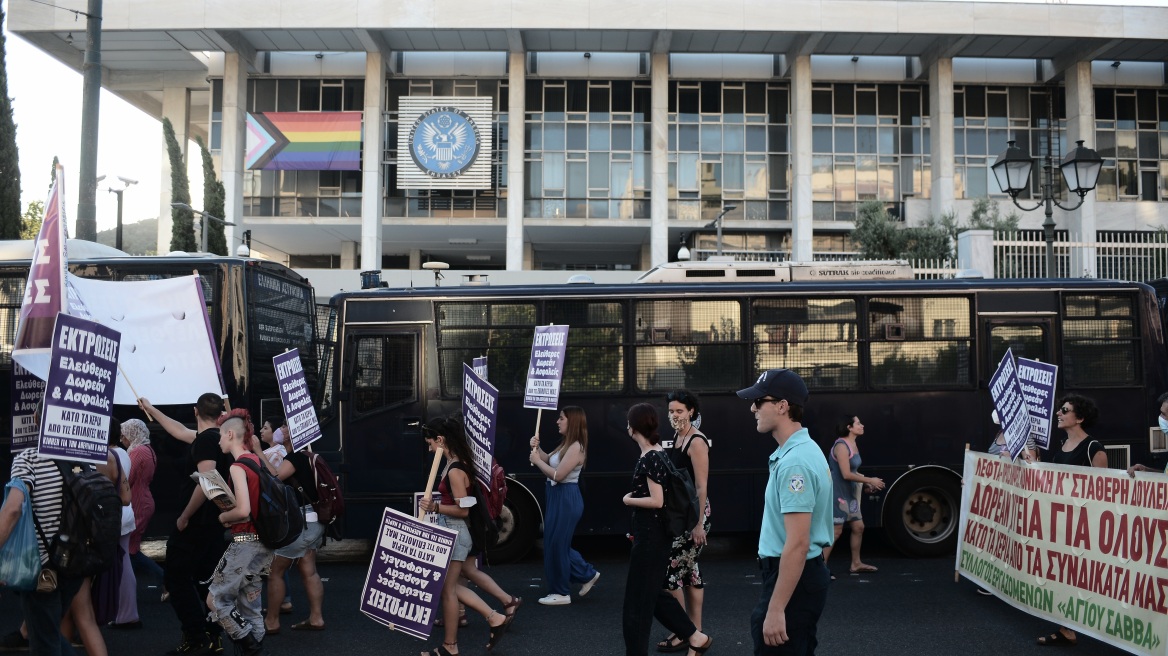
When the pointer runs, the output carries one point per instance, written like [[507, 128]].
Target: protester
[[143, 462], [127, 610], [197, 542], [297, 470], [447, 434], [848, 486], [234, 593], [563, 565], [796, 520], [690, 451], [1075, 413], [645, 595], [1162, 420], [273, 434]]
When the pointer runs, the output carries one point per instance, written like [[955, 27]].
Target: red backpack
[[497, 493], [330, 503]]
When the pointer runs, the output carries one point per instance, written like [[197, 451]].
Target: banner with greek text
[[548, 350], [403, 588], [480, 407], [303, 426], [1037, 381], [480, 367], [80, 392], [25, 392], [1085, 548], [1010, 404]]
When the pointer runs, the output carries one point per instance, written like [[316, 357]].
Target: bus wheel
[[922, 513], [518, 528]]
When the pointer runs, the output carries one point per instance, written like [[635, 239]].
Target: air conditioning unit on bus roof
[[730, 271]]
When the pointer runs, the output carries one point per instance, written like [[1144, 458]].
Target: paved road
[[909, 607]]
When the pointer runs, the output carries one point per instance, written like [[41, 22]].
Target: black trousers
[[191, 557], [645, 595], [803, 610]]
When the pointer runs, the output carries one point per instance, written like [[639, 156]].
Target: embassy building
[[604, 134]]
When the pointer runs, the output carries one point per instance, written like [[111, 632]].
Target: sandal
[[509, 610], [1057, 639], [462, 622], [862, 569], [671, 644], [440, 651], [496, 631], [705, 647]]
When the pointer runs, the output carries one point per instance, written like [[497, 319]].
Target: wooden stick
[[538, 416], [430, 481], [132, 390]]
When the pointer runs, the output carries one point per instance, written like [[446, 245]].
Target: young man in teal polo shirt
[[796, 522]]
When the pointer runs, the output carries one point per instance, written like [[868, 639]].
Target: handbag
[[20, 559]]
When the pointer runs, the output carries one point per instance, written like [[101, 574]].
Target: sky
[[46, 104]]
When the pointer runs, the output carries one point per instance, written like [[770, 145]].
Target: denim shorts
[[309, 540], [463, 544]]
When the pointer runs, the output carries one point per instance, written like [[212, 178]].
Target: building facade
[[603, 135]]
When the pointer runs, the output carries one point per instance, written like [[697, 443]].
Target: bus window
[[384, 375], [1100, 341], [502, 332], [595, 358], [1023, 340], [11, 294], [693, 344], [815, 337], [920, 341]]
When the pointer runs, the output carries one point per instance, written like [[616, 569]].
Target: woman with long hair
[[848, 486], [645, 595], [563, 565], [457, 478]]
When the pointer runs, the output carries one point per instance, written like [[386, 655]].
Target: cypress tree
[[213, 201], [182, 232], [10, 216]]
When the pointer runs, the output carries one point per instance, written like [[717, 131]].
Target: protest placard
[[430, 517], [1010, 404], [480, 367], [403, 588], [1037, 381], [548, 351], [303, 427], [480, 406], [25, 392], [1085, 548], [80, 391]]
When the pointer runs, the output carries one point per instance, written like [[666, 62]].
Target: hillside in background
[[139, 238]]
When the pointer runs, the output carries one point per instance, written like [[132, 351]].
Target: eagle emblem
[[444, 142]]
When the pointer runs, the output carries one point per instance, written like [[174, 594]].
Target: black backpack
[[681, 500], [278, 518], [91, 523], [484, 533]]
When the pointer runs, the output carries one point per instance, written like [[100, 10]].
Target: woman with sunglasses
[[1075, 414], [645, 596], [457, 477]]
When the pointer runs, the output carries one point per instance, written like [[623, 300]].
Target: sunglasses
[[1065, 410], [758, 403]]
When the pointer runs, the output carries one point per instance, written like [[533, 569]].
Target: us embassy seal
[[444, 142]]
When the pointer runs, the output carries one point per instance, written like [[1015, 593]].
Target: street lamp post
[[127, 183], [203, 222], [718, 223], [1080, 168]]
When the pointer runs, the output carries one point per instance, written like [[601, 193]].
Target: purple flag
[[80, 392], [303, 427], [44, 294], [548, 350], [403, 588], [26, 392], [480, 408]]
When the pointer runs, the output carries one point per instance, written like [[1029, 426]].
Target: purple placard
[[303, 427], [480, 406], [80, 391], [26, 392], [403, 588], [548, 349], [1010, 404], [1037, 380], [480, 367]]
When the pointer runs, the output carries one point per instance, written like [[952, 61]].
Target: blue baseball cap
[[778, 384]]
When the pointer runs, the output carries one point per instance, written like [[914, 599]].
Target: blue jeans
[[563, 565], [42, 613], [235, 589]]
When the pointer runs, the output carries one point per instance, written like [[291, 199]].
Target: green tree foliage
[[877, 234], [213, 202], [182, 232], [30, 223], [138, 238], [10, 219], [987, 215]]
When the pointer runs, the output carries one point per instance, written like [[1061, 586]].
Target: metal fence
[[934, 269], [1135, 256]]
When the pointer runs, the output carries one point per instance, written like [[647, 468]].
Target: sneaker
[[215, 644], [195, 643], [14, 642], [587, 587], [555, 600]]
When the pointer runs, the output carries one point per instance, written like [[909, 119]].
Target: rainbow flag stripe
[[304, 141]]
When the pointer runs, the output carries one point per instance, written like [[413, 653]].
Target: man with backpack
[[234, 594]]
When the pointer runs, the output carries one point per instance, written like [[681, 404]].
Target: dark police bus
[[911, 358], [257, 310]]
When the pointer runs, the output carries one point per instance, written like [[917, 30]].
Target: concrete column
[[516, 184], [415, 258], [372, 189], [659, 157], [349, 257], [528, 256], [1081, 125], [975, 250], [941, 164], [234, 140], [801, 224], [176, 106]]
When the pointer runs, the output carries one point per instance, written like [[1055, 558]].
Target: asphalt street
[[911, 606]]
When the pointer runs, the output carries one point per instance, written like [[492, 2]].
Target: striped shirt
[[47, 489]]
